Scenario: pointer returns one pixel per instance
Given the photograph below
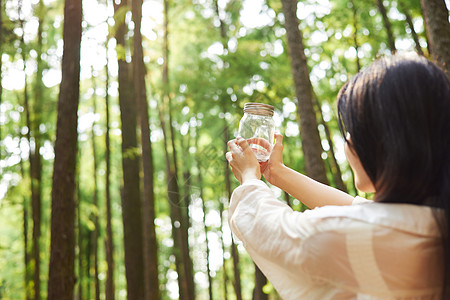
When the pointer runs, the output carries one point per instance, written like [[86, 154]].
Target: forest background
[[114, 119]]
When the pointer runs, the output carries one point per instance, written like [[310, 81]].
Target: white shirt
[[363, 251]]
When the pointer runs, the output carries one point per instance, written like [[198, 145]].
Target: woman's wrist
[[276, 171], [249, 174]]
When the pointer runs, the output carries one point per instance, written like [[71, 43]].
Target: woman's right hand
[[275, 163]]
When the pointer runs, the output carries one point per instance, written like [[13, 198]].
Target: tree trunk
[[95, 234], [79, 233], [405, 11], [312, 148], [387, 25], [109, 245], [62, 244], [234, 252], [205, 228], [35, 157], [148, 197], [335, 169], [435, 14], [224, 260], [131, 196], [27, 258], [355, 34], [179, 222], [260, 282]]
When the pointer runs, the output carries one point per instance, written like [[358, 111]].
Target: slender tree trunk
[[80, 279], [355, 34], [334, 166], [62, 244], [205, 227], [27, 277], [109, 245], [387, 25], [437, 25], [176, 216], [312, 148], [179, 222], [35, 158], [405, 11], [260, 282], [224, 260], [27, 258], [148, 196], [95, 234], [234, 253], [131, 197]]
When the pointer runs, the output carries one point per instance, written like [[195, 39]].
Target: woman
[[395, 117]]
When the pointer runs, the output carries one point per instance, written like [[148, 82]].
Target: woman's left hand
[[243, 162]]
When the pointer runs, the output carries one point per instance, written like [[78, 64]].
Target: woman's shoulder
[[410, 218]]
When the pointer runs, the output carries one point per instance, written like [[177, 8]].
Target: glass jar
[[258, 127]]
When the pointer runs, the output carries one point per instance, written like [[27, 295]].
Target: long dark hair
[[397, 113]]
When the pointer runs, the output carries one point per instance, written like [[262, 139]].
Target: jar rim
[[258, 109]]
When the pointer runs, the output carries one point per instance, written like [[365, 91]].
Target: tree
[[312, 148], [409, 22], [178, 219], [62, 245], [148, 196], [387, 25], [438, 30], [35, 156], [95, 234], [234, 252], [131, 195], [109, 244]]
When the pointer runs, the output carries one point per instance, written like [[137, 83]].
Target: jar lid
[[259, 109]]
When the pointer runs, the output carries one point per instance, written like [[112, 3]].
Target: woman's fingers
[[242, 143], [233, 147], [260, 141], [278, 138], [228, 156]]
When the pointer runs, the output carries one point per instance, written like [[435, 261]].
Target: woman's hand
[[275, 162], [243, 162]]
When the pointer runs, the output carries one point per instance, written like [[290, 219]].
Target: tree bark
[[35, 157], [335, 169], [355, 35], [260, 282], [62, 244], [205, 227], [435, 14], [131, 196], [27, 257], [179, 222], [387, 25], [95, 234], [405, 11], [109, 244], [312, 148], [79, 233], [148, 197], [234, 252]]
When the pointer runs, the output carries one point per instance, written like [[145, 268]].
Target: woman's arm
[[310, 192]]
